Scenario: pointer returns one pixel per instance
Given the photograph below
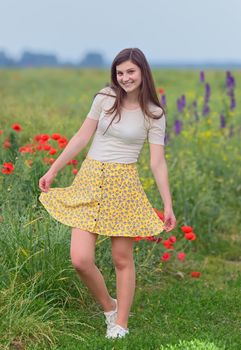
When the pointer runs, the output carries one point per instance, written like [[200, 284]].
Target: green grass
[[43, 304], [169, 312]]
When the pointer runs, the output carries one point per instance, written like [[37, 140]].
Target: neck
[[132, 97]]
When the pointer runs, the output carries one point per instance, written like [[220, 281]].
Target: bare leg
[[82, 252], [122, 254]]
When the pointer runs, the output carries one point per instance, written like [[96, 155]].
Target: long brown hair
[[147, 88]]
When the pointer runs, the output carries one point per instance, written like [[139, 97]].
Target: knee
[[82, 263], [122, 261]]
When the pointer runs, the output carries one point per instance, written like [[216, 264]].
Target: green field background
[[40, 292]]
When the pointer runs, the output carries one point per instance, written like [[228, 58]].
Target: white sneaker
[[111, 316], [116, 331]]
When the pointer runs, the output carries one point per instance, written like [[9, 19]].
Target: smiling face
[[128, 76]]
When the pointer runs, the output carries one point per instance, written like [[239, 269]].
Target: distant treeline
[[30, 59], [96, 60]]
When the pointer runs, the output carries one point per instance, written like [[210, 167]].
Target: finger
[[172, 227], [168, 226]]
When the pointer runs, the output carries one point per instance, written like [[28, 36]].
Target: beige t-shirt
[[123, 141]]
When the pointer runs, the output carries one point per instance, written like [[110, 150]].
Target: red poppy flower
[[186, 229], [40, 147], [17, 127], [172, 239], [56, 136], [190, 236], [62, 139], [161, 91], [52, 151], [167, 244], [160, 214], [47, 160], [7, 144], [62, 142], [26, 149], [75, 171], [181, 256], [44, 137], [37, 138], [47, 146], [72, 162], [166, 256], [1, 132], [195, 274], [8, 168], [138, 238]]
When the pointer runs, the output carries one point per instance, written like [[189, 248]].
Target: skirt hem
[[102, 233]]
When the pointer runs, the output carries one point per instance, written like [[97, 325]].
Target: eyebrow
[[119, 71]]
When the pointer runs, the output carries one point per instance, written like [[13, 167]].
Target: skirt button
[[100, 186]]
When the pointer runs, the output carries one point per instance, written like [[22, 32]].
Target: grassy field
[[43, 304]]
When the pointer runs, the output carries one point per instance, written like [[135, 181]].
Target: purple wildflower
[[230, 81], [183, 99], [202, 76], [207, 91], [181, 103], [163, 100], [205, 110], [178, 126], [232, 103], [231, 130], [222, 121], [230, 85]]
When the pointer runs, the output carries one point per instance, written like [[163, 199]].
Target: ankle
[[122, 324], [111, 306]]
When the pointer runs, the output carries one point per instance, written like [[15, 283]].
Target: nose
[[125, 77]]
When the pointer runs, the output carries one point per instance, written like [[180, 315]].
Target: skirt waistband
[[112, 165]]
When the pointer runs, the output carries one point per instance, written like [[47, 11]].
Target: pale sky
[[165, 30]]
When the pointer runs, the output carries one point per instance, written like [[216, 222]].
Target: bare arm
[[159, 169], [75, 145]]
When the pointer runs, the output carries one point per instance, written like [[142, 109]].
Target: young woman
[[106, 196]]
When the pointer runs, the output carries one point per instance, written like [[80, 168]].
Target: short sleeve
[[156, 132], [98, 102], [96, 107]]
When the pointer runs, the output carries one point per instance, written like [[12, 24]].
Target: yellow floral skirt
[[104, 198]]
